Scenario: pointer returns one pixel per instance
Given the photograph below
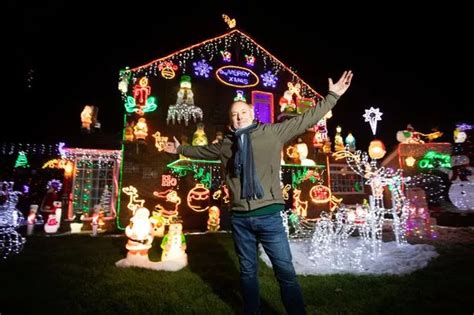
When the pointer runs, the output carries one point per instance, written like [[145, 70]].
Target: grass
[[77, 275]]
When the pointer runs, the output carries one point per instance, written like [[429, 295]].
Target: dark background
[[413, 61]]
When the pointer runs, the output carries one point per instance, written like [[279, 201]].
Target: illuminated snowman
[[174, 244]]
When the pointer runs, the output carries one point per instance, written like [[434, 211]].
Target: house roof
[[211, 47]]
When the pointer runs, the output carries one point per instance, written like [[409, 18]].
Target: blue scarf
[[244, 164]]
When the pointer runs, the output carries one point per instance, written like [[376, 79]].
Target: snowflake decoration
[[269, 79], [202, 68], [373, 115]]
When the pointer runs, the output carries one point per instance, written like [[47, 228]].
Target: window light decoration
[[371, 116], [202, 68], [263, 104], [184, 109], [167, 69]]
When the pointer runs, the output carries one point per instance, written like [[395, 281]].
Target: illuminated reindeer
[[378, 178]]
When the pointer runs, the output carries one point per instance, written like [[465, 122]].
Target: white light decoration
[[378, 178], [373, 115], [202, 68], [184, 109], [11, 242], [269, 79]]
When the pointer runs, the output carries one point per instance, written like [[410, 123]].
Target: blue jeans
[[270, 232]]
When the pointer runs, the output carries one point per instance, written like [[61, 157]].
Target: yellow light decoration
[[218, 193], [168, 69], [168, 209], [160, 142], [410, 161], [198, 198], [285, 191], [134, 202], [300, 207], [213, 223], [140, 130], [230, 22], [377, 149], [158, 224]]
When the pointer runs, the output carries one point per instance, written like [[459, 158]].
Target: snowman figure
[[461, 192], [174, 244]]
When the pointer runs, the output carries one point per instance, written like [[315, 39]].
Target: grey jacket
[[267, 143]]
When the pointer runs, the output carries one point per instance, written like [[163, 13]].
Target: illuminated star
[[373, 115]]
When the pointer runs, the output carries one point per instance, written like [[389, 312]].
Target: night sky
[[408, 59]]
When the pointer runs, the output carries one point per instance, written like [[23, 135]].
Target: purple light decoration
[[26, 189], [250, 60], [226, 56], [269, 79], [202, 68], [464, 127]]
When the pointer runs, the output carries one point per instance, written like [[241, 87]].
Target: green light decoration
[[21, 160], [131, 106], [203, 177], [433, 159], [301, 175], [182, 167]]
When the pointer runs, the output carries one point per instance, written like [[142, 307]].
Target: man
[[250, 154]]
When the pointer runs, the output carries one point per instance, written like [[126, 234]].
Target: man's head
[[241, 115]]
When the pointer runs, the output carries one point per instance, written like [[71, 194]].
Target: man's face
[[241, 115]]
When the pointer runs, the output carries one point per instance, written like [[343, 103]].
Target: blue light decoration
[[202, 68], [263, 106], [237, 76], [269, 79]]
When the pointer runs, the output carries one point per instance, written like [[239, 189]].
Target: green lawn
[[77, 275]]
